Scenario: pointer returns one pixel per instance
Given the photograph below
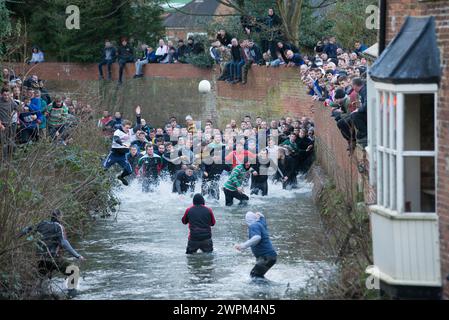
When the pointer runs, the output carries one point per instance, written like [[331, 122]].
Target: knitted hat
[[198, 200]]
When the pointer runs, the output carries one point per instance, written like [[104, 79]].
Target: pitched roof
[[412, 57], [178, 19]]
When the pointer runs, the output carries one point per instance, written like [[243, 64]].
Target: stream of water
[[141, 253]]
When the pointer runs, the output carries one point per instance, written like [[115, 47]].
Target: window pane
[[419, 184], [419, 124]]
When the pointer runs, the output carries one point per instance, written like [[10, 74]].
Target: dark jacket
[[52, 238], [363, 100], [214, 170], [331, 50], [115, 124], [112, 54], [151, 166], [200, 219], [149, 56], [133, 160], [256, 54], [226, 40], [125, 53], [182, 52], [296, 59], [237, 53], [262, 171], [34, 109], [182, 182]]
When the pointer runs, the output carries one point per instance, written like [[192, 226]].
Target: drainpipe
[[382, 25]]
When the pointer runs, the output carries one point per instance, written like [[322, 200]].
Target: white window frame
[[388, 145]]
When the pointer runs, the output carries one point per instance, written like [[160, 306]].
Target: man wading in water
[[260, 243], [233, 187], [200, 219]]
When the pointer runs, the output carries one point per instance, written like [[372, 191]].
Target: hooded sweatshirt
[[259, 238], [200, 219], [34, 110]]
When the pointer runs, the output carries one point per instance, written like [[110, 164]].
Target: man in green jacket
[[233, 187], [57, 114]]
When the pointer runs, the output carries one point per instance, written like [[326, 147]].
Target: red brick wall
[[397, 10], [270, 92], [333, 157], [89, 71]]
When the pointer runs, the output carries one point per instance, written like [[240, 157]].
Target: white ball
[[204, 86]]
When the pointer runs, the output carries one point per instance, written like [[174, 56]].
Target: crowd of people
[[28, 113], [333, 75], [235, 56], [338, 79], [251, 152], [244, 154]]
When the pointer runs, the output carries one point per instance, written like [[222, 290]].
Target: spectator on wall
[[37, 56], [125, 55], [108, 58]]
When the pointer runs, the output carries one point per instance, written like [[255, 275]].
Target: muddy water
[[141, 254]]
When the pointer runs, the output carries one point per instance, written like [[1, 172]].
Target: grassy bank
[[39, 178], [348, 230]]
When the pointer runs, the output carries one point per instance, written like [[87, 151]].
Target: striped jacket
[[235, 180]]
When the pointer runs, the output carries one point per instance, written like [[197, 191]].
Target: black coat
[[183, 183], [200, 218], [236, 53], [125, 52], [214, 170]]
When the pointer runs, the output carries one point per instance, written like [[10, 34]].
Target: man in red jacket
[[200, 219]]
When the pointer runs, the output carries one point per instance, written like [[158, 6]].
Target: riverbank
[[347, 230], [40, 178]]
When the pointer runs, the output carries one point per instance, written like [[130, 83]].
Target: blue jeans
[[236, 69], [139, 66], [275, 63], [109, 64]]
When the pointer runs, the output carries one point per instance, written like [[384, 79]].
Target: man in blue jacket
[[149, 56], [260, 243], [29, 119]]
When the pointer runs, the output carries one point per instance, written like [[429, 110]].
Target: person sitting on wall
[[161, 51], [125, 55], [108, 58], [37, 56], [149, 56], [181, 51]]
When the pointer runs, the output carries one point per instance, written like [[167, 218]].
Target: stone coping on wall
[[89, 71]]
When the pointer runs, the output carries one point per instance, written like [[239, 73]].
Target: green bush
[[202, 60], [38, 179]]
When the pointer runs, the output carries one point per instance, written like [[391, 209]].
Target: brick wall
[[397, 10], [270, 92], [333, 157]]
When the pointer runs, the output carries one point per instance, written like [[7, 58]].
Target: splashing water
[[141, 255]]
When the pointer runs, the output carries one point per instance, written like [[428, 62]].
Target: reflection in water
[[141, 255], [201, 268]]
